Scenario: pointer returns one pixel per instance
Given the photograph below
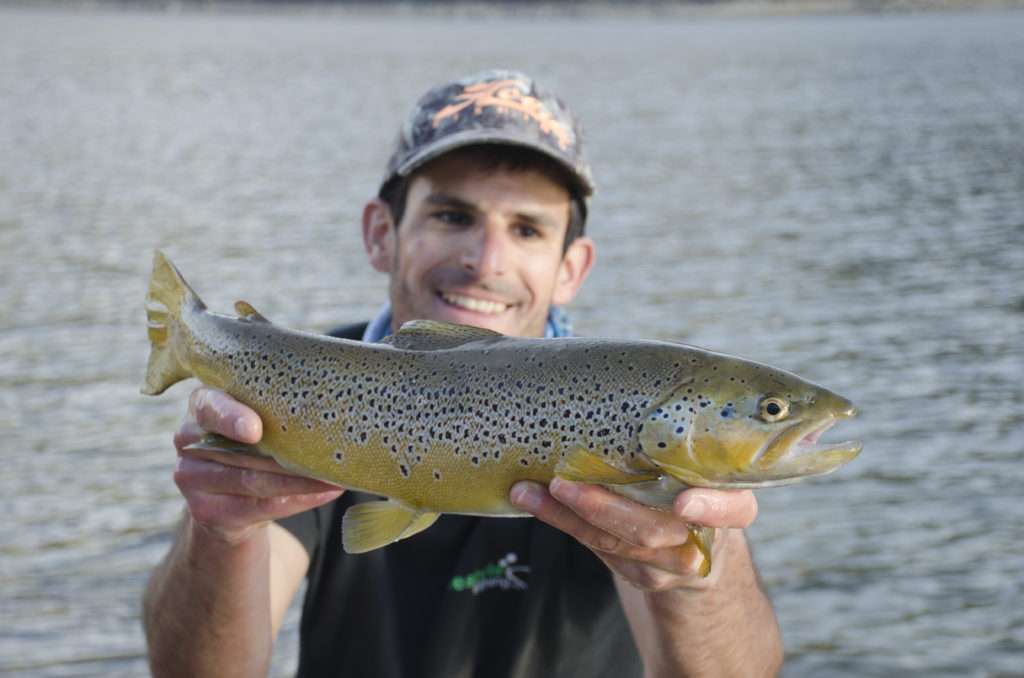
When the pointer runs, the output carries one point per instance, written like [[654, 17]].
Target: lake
[[840, 196]]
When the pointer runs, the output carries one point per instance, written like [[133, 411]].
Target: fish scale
[[445, 418]]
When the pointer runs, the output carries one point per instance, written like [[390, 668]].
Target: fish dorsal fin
[[245, 311], [213, 442], [433, 335]]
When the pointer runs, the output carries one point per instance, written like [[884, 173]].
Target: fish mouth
[[792, 455], [797, 453]]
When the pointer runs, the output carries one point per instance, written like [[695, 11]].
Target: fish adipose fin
[[218, 443], [432, 335], [168, 295], [583, 467], [371, 525], [245, 311]]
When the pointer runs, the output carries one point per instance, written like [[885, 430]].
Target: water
[[839, 196]]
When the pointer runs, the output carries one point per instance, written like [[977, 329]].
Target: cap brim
[[486, 138]]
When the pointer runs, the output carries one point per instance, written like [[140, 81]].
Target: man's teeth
[[477, 305]]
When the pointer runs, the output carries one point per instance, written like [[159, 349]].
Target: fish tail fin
[[168, 295]]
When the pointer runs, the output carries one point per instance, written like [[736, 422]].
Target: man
[[479, 221]]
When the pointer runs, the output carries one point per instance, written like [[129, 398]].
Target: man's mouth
[[476, 305]]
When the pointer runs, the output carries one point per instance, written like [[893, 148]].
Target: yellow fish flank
[[446, 418]]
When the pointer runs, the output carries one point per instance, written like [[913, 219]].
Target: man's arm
[[684, 625], [215, 603]]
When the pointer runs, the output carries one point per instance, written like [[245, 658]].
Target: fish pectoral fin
[[245, 311], [703, 538], [433, 335], [217, 443], [584, 467], [371, 525], [681, 474]]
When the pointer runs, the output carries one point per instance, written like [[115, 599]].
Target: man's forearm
[[727, 629], [207, 608]]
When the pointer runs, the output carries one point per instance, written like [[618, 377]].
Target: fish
[[442, 418]]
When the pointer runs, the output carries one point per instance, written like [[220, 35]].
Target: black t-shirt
[[468, 597]]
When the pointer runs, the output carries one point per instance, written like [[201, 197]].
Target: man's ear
[[379, 234], [576, 264]]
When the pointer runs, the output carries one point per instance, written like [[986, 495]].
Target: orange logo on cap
[[506, 95]]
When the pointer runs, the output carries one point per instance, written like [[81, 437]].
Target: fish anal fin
[[584, 467], [433, 335], [374, 524], [213, 442], [246, 311]]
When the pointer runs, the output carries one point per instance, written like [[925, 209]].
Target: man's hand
[[676, 616], [230, 495], [647, 547]]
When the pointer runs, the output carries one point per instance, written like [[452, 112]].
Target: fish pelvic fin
[[704, 539], [168, 295], [584, 467], [371, 525]]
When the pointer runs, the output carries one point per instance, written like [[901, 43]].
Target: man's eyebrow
[[448, 200]]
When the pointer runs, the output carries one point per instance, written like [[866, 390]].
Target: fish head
[[741, 424]]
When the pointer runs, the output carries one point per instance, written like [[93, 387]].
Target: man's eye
[[454, 217], [525, 231]]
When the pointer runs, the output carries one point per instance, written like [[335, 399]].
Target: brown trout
[[445, 418]]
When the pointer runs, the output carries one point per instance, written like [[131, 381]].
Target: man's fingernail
[[243, 429], [564, 490], [526, 495], [693, 509]]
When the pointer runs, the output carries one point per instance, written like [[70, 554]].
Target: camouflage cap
[[493, 107]]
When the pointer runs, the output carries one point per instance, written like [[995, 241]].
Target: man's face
[[479, 248]]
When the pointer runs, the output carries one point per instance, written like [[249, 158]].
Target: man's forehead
[[463, 176], [527, 194]]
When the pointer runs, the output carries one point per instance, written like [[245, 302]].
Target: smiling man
[[479, 221], [480, 244]]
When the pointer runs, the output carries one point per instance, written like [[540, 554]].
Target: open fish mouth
[[797, 453], [809, 443], [789, 457]]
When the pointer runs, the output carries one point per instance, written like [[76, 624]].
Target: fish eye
[[774, 409]]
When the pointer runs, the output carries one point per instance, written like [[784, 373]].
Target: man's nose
[[484, 253]]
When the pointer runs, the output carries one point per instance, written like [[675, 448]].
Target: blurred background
[[839, 195]]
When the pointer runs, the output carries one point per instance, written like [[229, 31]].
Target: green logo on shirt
[[503, 575]]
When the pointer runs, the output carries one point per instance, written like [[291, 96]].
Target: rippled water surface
[[843, 197]]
